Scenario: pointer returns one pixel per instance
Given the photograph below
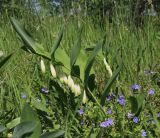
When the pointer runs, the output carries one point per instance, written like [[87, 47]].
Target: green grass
[[137, 48]]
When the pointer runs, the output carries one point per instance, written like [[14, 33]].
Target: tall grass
[[137, 48]]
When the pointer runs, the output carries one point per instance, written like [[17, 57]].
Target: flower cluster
[[106, 123], [121, 100], [74, 87]]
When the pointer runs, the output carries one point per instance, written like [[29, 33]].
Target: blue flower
[[151, 92], [109, 111], [82, 122], [135, 120], [23, 96], [81, 112], [44, 90], [110, 96], [121, 100], [143, 133], [135, 87], [106, 123]]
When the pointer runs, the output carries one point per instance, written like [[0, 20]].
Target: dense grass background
[[137, 47]]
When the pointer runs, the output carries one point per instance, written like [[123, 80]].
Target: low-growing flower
[[81, 111], [151, 92], [121, 100], [109, 111], [110, 97], [135, 87], [44, 90], [23, 96], [135, 120], [143, 133], [82, 122], [106, 123]]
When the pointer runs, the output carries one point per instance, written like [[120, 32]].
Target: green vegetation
[[68, 76]]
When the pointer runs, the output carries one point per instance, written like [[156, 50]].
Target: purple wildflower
[[107, 123], [135, 87], [143, 133], [109, 111], [135, 120], [81, 112], [121, 100], [82, 122], [151, 92], [110, 96], [44, 90], [23, 96]]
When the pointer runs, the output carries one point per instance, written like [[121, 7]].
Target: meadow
[[68, 77]]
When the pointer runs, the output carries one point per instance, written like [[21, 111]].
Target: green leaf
[[23, 129], [109, 84], [76, 49], [29, 115], [137, 103], [30, 44], [57, 43], [90, 63], [4, 61], [13, 123], [134, 104], [140, 99], [55, 134], [2, 128], [61, 56]]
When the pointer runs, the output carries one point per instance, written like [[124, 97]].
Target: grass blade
[[90, 63], [76, 49], [109, 84], [57, 43]]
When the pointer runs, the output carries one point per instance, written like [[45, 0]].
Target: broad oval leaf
[[54, 134], [29, 115], [23, 129], [13, 123], [134, 104]]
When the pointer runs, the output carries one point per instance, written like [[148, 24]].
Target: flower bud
[[43, 69], [1, 53], [70, 82], [77, 90], [85, 99], [9, 135], [108, 68], [64, 79], [53, 71]]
